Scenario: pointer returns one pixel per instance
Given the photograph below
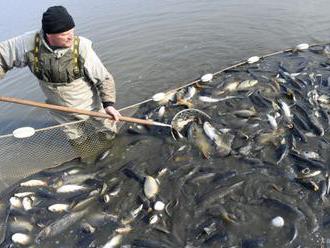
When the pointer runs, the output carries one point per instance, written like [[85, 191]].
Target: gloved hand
[[113, 112], [2, 73]]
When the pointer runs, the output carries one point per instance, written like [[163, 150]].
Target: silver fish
[[151, 187], [245, 113], [247, 84], [70, 188], [190, 94], [161, 112], [15, 202], [231, 86], [272, 121], [286, 110], [59, 207], [115, 241], [222, 141], [213, 100], [21, 239], [27, 203], [197, 136], [33, 183]]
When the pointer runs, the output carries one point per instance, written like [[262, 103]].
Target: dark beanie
[[57, 20]]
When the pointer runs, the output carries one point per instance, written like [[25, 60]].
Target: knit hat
[[57, 20]]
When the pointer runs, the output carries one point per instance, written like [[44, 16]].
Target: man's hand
[[113, 112]]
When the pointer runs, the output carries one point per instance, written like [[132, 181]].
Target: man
[[69, 72]]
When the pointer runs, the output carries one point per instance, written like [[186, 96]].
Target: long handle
[[79, 111]]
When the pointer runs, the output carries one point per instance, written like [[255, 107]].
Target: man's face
[[64, 39]]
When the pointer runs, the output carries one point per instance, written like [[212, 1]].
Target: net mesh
[[50, 147]]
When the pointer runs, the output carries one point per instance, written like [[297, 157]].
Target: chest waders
[[48, 66]]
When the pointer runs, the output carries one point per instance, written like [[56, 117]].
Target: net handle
[[79, 111]]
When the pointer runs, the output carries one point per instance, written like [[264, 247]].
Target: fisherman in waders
[[69, 72]]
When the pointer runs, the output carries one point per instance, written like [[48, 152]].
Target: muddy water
[[253, 184]]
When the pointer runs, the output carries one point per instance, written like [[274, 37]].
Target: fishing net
[[49, 147], [184, 117]]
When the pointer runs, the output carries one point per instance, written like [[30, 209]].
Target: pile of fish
[[252, 172]]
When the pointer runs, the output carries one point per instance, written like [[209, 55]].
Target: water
[[150, 46], [221, 191]]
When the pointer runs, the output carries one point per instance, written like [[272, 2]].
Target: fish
[[300, 122], [161, 112], [222, 212], [218, 193], [70, 188], [153, 219], [203, 177], [23, 194], [309, 184], [209, 99], [293, 233], [87, 228], [98, 219], [115, 188], [259, 100], [115, 241], [84, 203], [311, 163], [15, 202], [184, 102], [180, 123], [307, 173], [33, 183], [272, 137], [163, 98], [272, 121], [328, 184], [150, 187], [27, 203], [311, 155], [59, 207], [231, 86], [323, 189], [60, 225], [316, 125], [245, 113], [196, 135], [324, 99], [191, 91], [299, 134], [222, 141], [21, 239], [286, 110], [19, 225], [103, 156], [312, 222], [247, 84], [283, 152], [77, 178], [4, 214]]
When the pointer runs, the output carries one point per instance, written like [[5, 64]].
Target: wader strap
[[36, 54], [75, 56]]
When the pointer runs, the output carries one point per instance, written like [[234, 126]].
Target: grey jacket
[[79, 93]]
